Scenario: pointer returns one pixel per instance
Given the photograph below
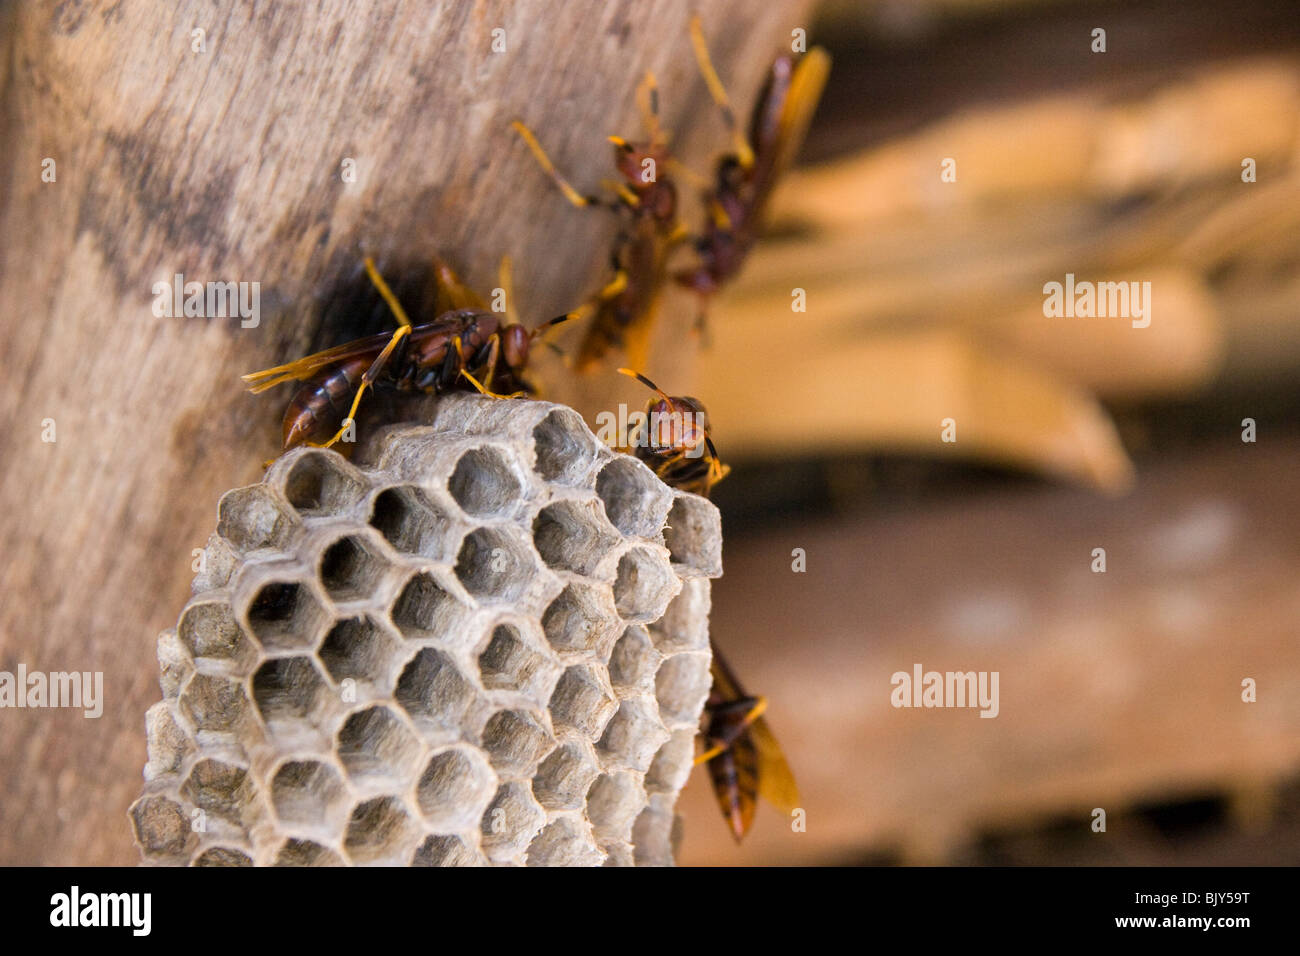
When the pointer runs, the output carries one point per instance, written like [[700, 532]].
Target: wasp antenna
[[647, 383], [535, 147], [552, 323]]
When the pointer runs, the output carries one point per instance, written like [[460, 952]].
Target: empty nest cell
[[289, 689], [681, 687], [455, 788], [219, 788], [484, 483], [253, 518], [375, 743], [308, 793], [632, 735], [424, 609], [692, 535], [564, 842], [511, 821], [515, 741], [512, 663], [581, 702], [223, 856], [613, 803], [434, 692], [350, 569], [379, 830], [563, 778], [495, 566], [582, 618], [359, 649], [573, 536], [636, 502], [643, 585], [209, 630], [441, 850], [564, 449], [297, 852], [410, 521], [673, 763], [633, 661], [679, 629], [319, 483], [285, 615]]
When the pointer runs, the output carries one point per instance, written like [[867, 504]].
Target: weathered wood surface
[[226, 165]]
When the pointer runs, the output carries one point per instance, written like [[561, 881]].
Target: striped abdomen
[[322, 402]]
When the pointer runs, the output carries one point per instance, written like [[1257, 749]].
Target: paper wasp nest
[[487, 646]]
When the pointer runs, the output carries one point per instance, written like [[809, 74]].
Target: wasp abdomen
[[322, 401]]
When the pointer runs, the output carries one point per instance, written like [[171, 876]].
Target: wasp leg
[[378, 281], [483, 391], [571, 194], [743, 151], [749, 709], [702, 323], [452, 292], [484, 387], [679, 234], [622, 190], [614, 288], [647, 101], [494, 353], [367, 380], [697, 178]]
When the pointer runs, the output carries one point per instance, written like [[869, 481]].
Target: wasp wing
[[806, 87], [776, 782], [306, 366], [368, 347], [454, 295], [782, 118]]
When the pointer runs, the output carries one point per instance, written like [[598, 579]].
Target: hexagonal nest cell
[[484, 644]]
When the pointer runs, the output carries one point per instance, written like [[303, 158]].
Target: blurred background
[[1119, 690]]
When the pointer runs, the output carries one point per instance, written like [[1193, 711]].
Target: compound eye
[[514, 346]]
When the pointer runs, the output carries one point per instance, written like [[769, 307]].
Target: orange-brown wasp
[[465, 346], [624, 309], [745, 178], [744, 759], [674, 441]]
